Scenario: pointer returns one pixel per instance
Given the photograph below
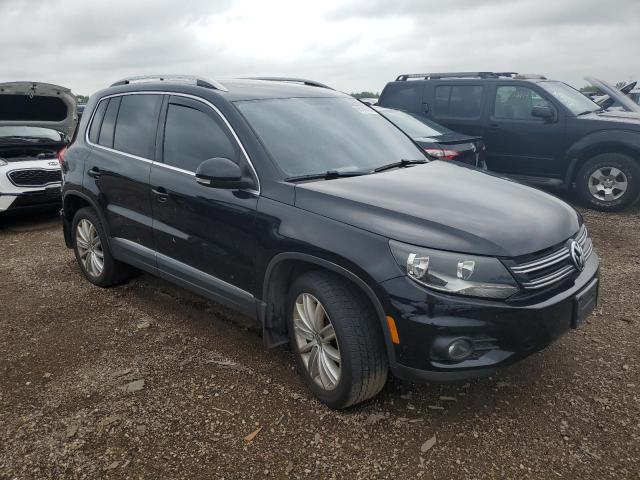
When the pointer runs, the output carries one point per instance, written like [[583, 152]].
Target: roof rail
[[529, 76], [188, 79], [304, 81], [433, 76]]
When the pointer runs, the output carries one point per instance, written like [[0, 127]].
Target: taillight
[[442, 154], [61, 155]]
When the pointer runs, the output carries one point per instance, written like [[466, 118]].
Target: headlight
[[3, 162], [457, 273]]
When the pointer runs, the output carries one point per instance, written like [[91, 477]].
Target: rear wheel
[[92, 250], [336, 340], [609, 181]]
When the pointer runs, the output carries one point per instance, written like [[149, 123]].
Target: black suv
[[538, 131], [312, 213]]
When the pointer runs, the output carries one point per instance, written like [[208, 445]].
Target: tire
[[359, 342], [594, 174], [112, 271]]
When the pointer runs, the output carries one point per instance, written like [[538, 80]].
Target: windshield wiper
[[597, 110], [328, 175], [400, 164]]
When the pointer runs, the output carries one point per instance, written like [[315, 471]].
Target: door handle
[[94, 173], [161, 193], [494, 126]]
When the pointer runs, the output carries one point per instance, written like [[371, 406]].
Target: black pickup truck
[[538, 131]]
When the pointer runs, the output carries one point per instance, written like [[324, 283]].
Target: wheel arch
[[279, 274], [627, 143], [72, 201]]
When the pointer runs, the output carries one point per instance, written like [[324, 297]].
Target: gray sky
[[353, 45]]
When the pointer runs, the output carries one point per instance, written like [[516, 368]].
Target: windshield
[[412, 125], [312, 135], [32, 132], [571, 98]]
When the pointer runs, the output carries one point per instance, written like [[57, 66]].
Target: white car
[[37, 121]]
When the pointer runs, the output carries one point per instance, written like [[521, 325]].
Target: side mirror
[[221, 173], [545, 113]]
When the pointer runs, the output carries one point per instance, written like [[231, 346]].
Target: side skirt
[[184, 275]]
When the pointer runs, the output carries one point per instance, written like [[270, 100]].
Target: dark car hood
[[618, 117], [448, 138], [445, 206]]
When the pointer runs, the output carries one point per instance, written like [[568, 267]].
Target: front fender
[[600, 142]]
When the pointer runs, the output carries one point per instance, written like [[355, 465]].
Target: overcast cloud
[[352, 45]]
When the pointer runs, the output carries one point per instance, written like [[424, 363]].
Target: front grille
[[34, 177], [551, 269]]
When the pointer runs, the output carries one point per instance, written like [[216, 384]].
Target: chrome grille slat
[[552, 268], [549, 261], [588, 249], [549, 279], [582, 236]]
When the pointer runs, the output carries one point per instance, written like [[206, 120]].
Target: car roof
[[232, 89]]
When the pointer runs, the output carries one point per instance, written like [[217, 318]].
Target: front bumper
[[49, 197], [507, 331], [20, 198]]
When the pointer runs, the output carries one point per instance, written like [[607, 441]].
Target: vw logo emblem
[[577, 255]]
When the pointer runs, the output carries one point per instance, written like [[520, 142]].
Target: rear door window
[[458, 101], [192, 136], [516, 103], [135, 131], [105, 138]]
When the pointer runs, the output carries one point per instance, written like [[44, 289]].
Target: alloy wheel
[[89, 248], [608, 183], [316, 341]]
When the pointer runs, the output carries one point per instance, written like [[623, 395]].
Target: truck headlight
[[457, 273]]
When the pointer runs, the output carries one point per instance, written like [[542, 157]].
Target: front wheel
[[609, 182], [336, 339]]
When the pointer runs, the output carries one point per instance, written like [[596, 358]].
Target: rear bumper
[[503, 332]]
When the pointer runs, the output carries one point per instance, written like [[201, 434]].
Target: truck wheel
[[609, 182], [336, 339], [92, 251]]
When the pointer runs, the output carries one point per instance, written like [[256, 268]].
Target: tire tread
[[367, 352]]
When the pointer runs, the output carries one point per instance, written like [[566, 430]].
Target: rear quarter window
[[403, 96], [96, 121], [105, 137]]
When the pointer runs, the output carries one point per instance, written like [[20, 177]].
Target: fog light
[[459, 350], [452, 349]]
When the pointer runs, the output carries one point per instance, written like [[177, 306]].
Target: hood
[[38, 105], [615, 119], [613, 95], [445, 206]]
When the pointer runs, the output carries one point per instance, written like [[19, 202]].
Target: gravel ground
[[149, 381]]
